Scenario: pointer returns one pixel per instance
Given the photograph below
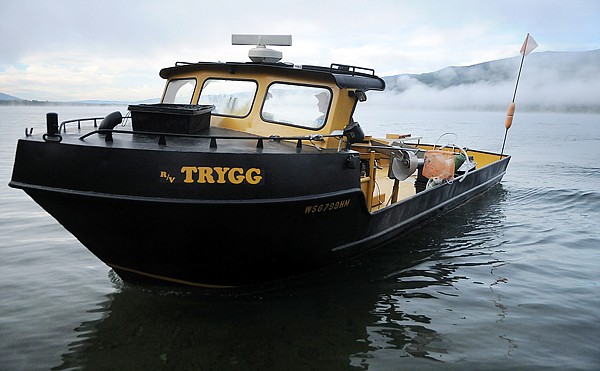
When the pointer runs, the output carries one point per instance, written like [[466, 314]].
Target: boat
[[244, 173]]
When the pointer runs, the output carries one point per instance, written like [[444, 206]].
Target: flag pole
[[527, 48]]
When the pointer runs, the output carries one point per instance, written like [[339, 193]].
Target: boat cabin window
[[297, 105], [180, 91], [230, 97]]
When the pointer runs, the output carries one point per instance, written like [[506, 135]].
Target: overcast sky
[[65, 50]]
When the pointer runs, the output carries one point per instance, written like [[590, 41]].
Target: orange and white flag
[[528, 45]]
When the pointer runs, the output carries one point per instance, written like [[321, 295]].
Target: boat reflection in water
[[359, 314]]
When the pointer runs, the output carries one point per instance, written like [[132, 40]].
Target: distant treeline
[[530, 107], [24, 102]]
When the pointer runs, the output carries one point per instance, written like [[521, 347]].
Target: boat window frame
[[326, 116], [194, 79], [252, 101]]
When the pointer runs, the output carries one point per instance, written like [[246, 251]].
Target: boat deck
[[380, 192], [210, 140], [382, 195]]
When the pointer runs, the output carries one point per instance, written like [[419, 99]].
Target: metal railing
[[162, 137], [63, 125]]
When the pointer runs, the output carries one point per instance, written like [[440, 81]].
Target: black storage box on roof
[[170, 118]]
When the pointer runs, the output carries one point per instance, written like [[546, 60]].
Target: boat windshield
[[179, 91], [230, 97], [297, 105]]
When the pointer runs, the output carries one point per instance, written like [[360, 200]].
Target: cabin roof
[[344, 76]]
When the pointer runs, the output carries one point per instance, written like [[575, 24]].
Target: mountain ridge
[[8, 97], [500, 69]]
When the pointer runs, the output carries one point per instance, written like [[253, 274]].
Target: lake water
[[508, 280]]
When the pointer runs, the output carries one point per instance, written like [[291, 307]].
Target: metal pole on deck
[[527, 48]]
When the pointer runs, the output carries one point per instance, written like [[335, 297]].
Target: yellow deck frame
[[379, 190], [342, 104]]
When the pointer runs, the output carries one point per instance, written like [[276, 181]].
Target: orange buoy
[[510, 115]]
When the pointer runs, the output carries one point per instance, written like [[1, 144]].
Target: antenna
[[260, 53]]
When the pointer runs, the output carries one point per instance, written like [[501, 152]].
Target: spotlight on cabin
[[353, 133]]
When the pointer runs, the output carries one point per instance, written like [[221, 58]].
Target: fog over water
[[550, 81]]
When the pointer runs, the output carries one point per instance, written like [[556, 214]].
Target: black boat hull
[[222, 243]]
